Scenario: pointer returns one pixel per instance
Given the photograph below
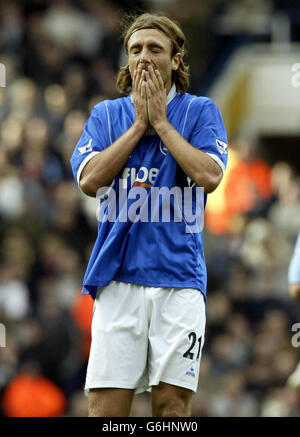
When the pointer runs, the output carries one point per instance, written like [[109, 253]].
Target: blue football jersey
[[157, 252]]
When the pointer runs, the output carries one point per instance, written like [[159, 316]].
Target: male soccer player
[[148, 278]]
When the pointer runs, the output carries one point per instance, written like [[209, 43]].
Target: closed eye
[[154, 47]]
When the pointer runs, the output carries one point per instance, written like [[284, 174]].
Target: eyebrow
[[150, 44]]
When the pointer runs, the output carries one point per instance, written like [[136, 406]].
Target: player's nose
[[145, 58]]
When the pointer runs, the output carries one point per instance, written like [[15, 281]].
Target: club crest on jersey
[[163, 148], [222, 146], [191, 184], [86, 148]]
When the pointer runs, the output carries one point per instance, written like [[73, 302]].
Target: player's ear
[[176, 61]]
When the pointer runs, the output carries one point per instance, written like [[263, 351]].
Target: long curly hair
[[171, 29]]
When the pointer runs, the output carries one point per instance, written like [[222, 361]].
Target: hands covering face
[[150, 98]]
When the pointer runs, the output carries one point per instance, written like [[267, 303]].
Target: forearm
[[103, 167], [199, 166]]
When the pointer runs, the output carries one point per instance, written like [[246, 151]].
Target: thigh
[[176, 337], [118, 353], [110, 402]]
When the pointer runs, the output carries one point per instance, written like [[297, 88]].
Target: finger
[[148, 91], [143, 90], [138, 75], [150, 83], [139, 79], [134, 80], [153, 77], [142, 79], [159, 79]]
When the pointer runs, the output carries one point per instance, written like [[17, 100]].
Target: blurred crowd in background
[[61, 58]]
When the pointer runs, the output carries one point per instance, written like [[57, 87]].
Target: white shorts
[[144, 335]]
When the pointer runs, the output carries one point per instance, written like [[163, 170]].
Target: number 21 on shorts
[[191, 350]]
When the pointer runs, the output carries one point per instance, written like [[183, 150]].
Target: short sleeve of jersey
[[95, 137], [294, 267], [209, 134]]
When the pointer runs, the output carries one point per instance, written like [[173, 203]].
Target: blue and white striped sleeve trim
[[218, 161], [84, 163]]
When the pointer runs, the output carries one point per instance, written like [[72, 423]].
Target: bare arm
[[199, 166], [103, 167]]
